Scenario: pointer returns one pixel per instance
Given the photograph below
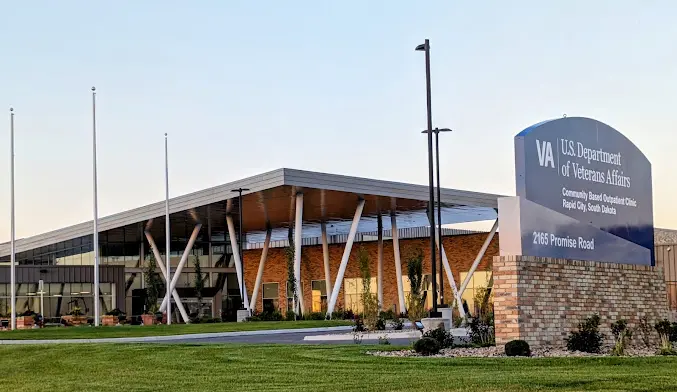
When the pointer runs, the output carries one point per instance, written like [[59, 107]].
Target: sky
[[245, 87]]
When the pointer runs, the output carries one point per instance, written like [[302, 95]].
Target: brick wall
[[461, 251], [541, 300]]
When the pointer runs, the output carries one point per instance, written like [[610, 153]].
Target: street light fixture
[[239, 240], [439, 204], [425, 47]]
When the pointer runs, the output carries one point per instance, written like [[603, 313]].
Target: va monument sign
[[583, 193]]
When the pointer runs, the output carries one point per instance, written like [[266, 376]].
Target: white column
[[325, 256], [184, 258], [298, 231], [379, 278], [478, 258], [238, 261], [259, 275], [160, 263], [398, 262], [346, 256]]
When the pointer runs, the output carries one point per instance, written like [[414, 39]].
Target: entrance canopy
[[270, 204]]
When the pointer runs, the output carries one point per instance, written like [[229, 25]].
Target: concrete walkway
[[187, 338]]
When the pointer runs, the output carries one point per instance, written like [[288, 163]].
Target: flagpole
[[97, 315], [167, 242], [12, 259]]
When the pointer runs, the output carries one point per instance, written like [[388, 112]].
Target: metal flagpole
[[12, 259], [97, 314], [167, 242]]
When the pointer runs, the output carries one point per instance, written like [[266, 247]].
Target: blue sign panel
[[587, 171]]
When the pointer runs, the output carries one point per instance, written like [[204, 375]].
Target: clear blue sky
[[244, 87]]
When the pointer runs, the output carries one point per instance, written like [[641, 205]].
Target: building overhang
[[269, 204]]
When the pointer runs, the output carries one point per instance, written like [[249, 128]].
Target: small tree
[[153, 284], [291, 279], [369, 300], [198, 284], [415, 307]]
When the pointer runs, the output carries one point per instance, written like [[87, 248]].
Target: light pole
[[425, 47], [168, 254], [96, 214], [12, 257], [239, 240], [439, 204]]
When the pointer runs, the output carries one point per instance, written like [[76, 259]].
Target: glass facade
[[319, 293], [479, 280], [57, 299], [353, 289]]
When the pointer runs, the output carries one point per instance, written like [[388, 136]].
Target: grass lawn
[[149, 367], [87, 332]]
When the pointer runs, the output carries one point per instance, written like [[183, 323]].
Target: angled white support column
[[298, 231], [182, 262], [450, 275], [478, 258], [163, 269], [346, 256], [398, 263], [379, 269], [325, 257], [238, 261], [259, 275]]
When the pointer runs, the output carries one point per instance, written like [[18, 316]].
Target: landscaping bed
[[494, 352]]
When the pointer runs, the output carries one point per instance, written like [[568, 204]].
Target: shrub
[[358, 325], [264, 316], [314, 316], [482, 331], [380, 324], [383, 340], [673, 332], [444, 338], [290, 316], [622, 336], [664, 328], [397, 323], [517, 348], [644, 331], [388, 314], [115, 312], [587, 338], [427, 346]]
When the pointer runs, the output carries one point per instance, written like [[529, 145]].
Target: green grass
[[147, 367], [86, 332]]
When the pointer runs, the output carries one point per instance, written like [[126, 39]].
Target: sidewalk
[[169, 338]]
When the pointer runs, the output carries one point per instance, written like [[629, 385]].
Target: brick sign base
[[541, 300]]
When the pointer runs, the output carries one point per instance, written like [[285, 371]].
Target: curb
[[169, 338]]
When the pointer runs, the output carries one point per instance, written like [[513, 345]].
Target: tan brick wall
[[461, 252], [541, 300]]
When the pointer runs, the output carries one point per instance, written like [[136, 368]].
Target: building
[[329, 219]]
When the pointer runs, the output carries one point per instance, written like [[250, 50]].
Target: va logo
[[545, 157]]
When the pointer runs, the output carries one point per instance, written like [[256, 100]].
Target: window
[[353, 289], [290, 296], [479, 280], [271, 297], [319, 293], [426, 289]]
